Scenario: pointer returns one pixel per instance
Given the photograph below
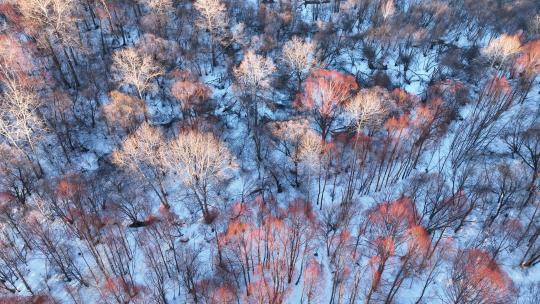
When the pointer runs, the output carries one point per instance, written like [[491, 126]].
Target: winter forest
[[270, 151]]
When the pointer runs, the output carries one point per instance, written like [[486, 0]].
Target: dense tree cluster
[[270, 151]]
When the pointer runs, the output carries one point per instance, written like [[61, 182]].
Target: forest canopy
[[270, 151]]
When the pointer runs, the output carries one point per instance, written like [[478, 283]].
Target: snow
[[243, 178], [87, 161]]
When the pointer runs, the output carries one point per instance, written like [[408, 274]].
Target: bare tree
[[56, 16], [159, 7], [124, 112], [160, 14], [56, 247], [253, 78], [53, 21], [17, 174], [316, 159], [192, 94], [367, 108], [300, 57], [213, 19], [135, 69], [201, 161], [142, 152], [523, 140], [288, 138], [500, 49], [477, 278], [20, 123], [325, 94]]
